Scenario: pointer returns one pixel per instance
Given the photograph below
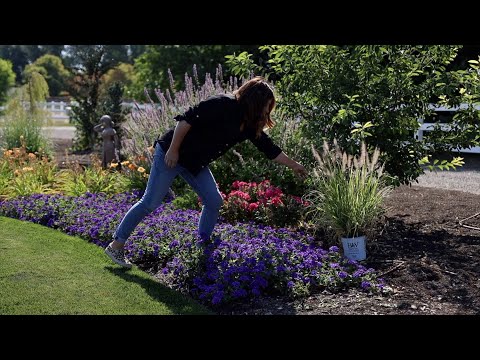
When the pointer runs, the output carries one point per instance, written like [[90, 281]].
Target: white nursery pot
[[354, 248]]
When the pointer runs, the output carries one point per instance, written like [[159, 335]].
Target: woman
[[204, 133]]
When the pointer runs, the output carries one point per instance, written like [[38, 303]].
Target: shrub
[[24, 118], [348, 191], [243, 161], [24, 173], [336, 89], [77, 180], [261, 203], [188, 200], [136, 171]]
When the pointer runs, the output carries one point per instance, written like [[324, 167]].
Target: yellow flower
[[113, 165], [32, 156], [125, 163], [132, 166], [141, 169]]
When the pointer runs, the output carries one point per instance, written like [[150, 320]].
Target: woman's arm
[[297, 168], [171, 156]]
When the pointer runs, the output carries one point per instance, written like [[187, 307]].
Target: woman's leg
[[205, 186], [159, 181]]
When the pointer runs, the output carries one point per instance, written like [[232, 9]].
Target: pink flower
[[298, 199], [276, 201], [273, 192], [253, 206], [240, 194], [239, 184]]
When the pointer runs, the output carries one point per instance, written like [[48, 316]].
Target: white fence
[[60, 110], [443, 114]]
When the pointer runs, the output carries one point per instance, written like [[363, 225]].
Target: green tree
[[24, 118], [152, 67], [378, 94], [123, 74], [22, 55], [89, 63], [135, 51], [55, 50], [112, 106], [52, 69], [18, 56], [7, 79]]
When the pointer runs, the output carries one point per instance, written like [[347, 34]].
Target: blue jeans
[[159, 181]]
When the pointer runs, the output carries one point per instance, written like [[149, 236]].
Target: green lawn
[[44, 271]]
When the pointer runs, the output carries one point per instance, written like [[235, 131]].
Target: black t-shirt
[[215, 128]]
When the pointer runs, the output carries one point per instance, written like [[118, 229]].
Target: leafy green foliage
[[7, 79], [25, 173], [348, 191], [76, 180], [242, 65], [377, 94], [22, 55], [151, 67], [88, 64], [124, 74], [24, 117], [187, 200], [438, 164], [54, 72], [243, 162], [112, 105]]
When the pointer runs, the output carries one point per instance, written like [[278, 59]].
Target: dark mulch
[[431, 262], [63, 153]]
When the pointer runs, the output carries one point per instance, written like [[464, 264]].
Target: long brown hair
[[254, 95]]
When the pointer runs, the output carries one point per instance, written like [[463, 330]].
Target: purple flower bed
[[244, 260]]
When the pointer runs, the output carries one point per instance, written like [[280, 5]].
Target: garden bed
[[431, 262]]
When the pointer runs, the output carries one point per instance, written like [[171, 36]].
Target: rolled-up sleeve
[[195, 114], [265, 144]]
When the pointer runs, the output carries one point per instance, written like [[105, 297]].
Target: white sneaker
[[118, 256]]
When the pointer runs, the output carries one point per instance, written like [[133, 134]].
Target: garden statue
[[111, 143]]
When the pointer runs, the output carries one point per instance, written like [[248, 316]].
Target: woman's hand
[[171, 158], [299, 170]]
